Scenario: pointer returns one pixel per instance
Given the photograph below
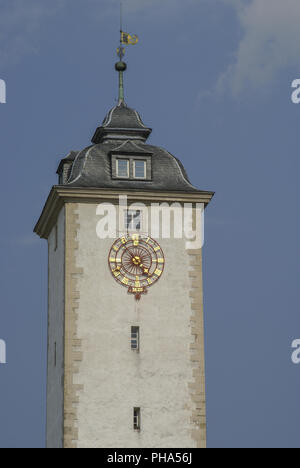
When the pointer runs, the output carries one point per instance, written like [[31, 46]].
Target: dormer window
[[123, 168], [139, 169], [131, 166]]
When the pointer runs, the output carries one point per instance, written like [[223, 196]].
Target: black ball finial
[[121, 66]]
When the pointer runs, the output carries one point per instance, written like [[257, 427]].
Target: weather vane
[[125, 39]]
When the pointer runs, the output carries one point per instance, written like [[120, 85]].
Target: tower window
[[135, 338], [131, 166], [139, 169], [137, 419], [133, 220], [123, 168]]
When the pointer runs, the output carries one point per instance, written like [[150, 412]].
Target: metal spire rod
[[121, 87], [121, 66], [121, 18], [121, 50]]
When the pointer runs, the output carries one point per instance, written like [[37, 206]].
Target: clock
[[136, 262]]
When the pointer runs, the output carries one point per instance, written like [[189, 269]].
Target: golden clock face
[[136, 262]]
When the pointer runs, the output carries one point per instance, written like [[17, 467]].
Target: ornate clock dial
[[136, 262]]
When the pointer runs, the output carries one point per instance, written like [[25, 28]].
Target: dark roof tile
[[123, 130]]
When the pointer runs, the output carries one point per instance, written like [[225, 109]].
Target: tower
[[125, 306]]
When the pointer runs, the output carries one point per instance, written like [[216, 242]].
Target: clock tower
[[125, 306]]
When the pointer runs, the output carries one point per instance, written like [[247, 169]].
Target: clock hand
[[131, 255], [145, 270]]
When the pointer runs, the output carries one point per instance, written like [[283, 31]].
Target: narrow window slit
[[135, 338], [137, 419]]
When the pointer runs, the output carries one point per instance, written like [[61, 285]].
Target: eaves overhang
[[103, 134], [60, 195]]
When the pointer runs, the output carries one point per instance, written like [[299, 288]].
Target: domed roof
[[93, 168], [121, 123], [123, 134]]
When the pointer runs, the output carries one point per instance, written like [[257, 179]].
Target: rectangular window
[[139, 169], [131, 166], [135, 338], [137, 419], [123, 168], [133, 220]]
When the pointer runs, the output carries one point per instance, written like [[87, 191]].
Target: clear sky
[[213, 79]]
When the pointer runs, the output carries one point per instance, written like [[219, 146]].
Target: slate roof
[[68, 159], [123, 131], [120, 123]]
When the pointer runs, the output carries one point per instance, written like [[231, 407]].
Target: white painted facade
[[115, 378]]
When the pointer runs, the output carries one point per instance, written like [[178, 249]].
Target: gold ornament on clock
[[136, 262]]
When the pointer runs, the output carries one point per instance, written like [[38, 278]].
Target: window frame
[[131, 157], [136, 419], [128, 168], [134, 169], [127, 225], [135, 337]]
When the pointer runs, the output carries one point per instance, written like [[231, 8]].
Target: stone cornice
[[60, 195]]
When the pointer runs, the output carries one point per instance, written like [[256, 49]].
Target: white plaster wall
[[117, 379], [56, 335]]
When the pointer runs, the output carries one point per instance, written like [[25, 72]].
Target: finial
[[121, 67]]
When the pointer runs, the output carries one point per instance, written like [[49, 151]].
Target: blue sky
[[213, 79]]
